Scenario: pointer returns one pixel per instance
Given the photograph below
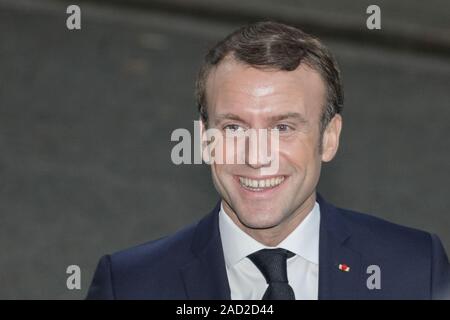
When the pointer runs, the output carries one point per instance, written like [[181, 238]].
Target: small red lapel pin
[[344, 267]]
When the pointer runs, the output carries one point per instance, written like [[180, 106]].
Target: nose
[[258, 149]]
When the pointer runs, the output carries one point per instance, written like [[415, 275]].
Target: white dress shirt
[[247, 282]]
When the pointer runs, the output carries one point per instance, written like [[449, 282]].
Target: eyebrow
[[228, 116], [290, 115], [285, 116]]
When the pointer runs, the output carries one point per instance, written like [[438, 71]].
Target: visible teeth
[[261, 183]]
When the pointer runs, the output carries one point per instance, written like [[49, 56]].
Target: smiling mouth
[[258, 185]]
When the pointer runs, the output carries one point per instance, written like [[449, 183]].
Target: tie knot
[[272, 263]]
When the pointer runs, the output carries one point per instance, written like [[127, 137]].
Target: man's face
[[240, 97]]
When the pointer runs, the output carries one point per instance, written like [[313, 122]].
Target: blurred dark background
[[86, 118]]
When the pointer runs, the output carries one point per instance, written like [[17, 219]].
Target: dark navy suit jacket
[[190, 264]]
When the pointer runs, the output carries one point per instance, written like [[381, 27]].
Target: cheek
[[217, 171], [222, 173], [299, 152], [218, 177]]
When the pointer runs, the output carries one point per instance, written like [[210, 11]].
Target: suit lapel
[[205, 275], [334, 250]]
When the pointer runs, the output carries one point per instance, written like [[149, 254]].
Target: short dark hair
[[273, 45]]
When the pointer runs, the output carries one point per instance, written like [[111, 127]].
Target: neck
[[273, 236]]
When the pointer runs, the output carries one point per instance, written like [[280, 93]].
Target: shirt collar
[[303, 241]]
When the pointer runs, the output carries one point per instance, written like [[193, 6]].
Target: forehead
[[238, 88]]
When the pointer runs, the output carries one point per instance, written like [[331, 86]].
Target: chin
[[259, 220]]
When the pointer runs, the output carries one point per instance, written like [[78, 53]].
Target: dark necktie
[[272, 264]]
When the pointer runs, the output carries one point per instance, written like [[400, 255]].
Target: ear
[[202, 126], [330, 139], [204, 145]]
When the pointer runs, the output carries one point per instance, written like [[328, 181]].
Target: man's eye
[[233, 127], [282, 127]]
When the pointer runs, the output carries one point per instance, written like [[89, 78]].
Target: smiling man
[[273, 236]]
